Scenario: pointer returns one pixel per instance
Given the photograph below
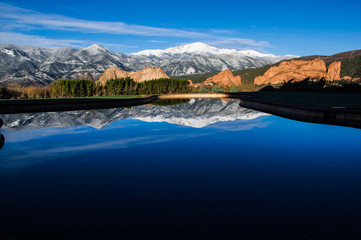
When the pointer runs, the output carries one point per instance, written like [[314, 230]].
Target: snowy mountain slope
[[38, 65]]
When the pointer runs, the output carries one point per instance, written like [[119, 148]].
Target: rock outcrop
[[334, 71], [299, 70], [145, 74], [224, 78], [113, 73]]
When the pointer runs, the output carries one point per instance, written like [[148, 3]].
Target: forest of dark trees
[[121, 86], [88, 88]]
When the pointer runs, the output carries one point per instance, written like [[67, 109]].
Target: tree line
[[87, 88], [127, 86]]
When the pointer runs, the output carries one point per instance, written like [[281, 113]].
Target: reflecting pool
[[206, 168]]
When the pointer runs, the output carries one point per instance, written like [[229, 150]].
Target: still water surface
[[204, 168]]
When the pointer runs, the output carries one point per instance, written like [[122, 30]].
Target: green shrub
[[217, 89], [203, 90], [234, 89]]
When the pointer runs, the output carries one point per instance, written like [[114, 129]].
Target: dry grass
[[16, 91], [37, 92]]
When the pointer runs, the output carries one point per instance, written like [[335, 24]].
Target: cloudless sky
[[282, 27]]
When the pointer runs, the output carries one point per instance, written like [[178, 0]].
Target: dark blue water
[[265, 177]]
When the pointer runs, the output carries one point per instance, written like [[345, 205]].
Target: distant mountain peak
[[192, 47], [95, 48]]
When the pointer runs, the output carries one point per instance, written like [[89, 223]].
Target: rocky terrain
[[197, 113], [145, 74], [224, 78], [38, 65], [299, 70]]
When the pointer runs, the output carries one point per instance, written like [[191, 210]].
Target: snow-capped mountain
[[197, 113], [190, 49], [38, 65], [201, 58], [199, 48], [28, 65]]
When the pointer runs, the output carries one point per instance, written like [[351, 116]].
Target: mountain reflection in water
[[197, 113], [54, 134]]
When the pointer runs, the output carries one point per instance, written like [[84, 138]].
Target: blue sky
[[282, 27]]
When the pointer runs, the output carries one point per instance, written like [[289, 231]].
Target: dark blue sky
[[282, 27]]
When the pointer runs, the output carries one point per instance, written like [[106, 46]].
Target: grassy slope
[[198, 78]]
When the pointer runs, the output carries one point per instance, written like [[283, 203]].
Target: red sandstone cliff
[[299, 70], [224, 78], [334, 71], [145, 74]]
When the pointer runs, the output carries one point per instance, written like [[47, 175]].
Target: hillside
[[198, 78], [336, 57], [351, 67], [350, 62]]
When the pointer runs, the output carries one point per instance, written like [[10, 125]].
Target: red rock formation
[[299, 70], [113, 73], [334, 71], [224, 78], [145, 74]]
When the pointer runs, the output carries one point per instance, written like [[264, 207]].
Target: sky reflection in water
[[241, 177]]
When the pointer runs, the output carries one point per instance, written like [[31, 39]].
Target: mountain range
[[197, 113], [29, 65]]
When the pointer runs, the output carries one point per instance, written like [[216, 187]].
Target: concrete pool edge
[[333, 116], [73, 104]]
